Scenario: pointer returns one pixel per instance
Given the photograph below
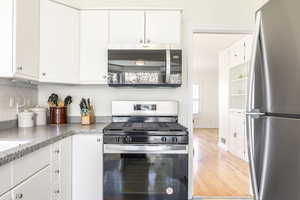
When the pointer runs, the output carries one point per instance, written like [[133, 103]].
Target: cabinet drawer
[[30, 164], [7, 196], [55, 151], [36, 187], [5, 173]]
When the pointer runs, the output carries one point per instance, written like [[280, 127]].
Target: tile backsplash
[[13, 93]]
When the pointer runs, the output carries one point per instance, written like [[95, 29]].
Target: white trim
[[194, 30]]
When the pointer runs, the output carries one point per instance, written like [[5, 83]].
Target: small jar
[[40, 116], [26, 119]]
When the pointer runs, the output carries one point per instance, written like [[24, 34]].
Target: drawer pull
[[57, 151], [57, 171], [19, 196], [56, 192]]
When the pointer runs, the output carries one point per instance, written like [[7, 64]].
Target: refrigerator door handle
[[252, 113]]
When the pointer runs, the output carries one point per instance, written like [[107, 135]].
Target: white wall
[[102, 96], [208, 82], [18, 92]]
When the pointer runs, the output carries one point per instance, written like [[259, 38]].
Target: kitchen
[[71, 48]]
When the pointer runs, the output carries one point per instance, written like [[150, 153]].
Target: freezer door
[[280, 31], [275, 163]]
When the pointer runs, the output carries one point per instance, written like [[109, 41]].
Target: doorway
[[219, 80]]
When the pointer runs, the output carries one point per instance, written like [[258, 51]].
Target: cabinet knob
[[20, 68], [19, 196], [104, 77], [148, 41], [235, 135], [57, 171], [98, 140], [141, 41], [56, 191], [44, 74], [57, 151]]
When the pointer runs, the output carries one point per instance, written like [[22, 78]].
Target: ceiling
[[206, 48]]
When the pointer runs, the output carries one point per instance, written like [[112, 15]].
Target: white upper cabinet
[[145, 27], [93, 46], [59, 58], [248, 47], [19, 38], [163, 27], [127, 27]]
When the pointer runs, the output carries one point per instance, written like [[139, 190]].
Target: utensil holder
[[58, 115]]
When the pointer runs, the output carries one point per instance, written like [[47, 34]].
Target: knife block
[[89, 118]]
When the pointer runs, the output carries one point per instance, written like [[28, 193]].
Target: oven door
[[145, 172]]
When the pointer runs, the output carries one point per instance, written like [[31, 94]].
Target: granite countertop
[[39, 137]]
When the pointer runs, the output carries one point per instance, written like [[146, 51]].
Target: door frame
[[202, 29]]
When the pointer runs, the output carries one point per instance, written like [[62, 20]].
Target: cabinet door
[[126, 27], [59, 59], [36, 187], [237, 56], [7, 196], [163, 27], [87, 167], [6, 47], [65, 163], [93, 46], [27, 34]]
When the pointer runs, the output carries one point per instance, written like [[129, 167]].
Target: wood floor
[[217, 172]]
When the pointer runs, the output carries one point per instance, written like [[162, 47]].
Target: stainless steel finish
[[274, 90], [163, 108], [168, 66], [146, 149], [280, 43]]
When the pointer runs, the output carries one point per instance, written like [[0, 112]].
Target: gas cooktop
[[145, 127]]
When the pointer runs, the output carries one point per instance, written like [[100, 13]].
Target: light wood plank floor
[[217, 172]]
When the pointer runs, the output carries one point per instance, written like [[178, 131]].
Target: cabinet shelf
[[239, 80]]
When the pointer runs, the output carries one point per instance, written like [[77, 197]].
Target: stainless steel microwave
[[145, 67]]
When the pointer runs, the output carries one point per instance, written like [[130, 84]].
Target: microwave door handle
[[168, 66]]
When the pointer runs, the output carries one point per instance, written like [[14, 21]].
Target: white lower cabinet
[[7, 196], [36, 187], [238, 139], [87, 167], [5, 178]]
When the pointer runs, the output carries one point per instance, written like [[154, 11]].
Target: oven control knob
[[128, 139], [174, 140], [118, 139], [164, 139]]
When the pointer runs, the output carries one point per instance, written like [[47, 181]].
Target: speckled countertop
[[39, 137]]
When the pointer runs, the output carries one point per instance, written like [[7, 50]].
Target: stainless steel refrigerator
[[273, 110]]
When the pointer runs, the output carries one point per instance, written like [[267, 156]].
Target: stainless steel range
[[145, 152]]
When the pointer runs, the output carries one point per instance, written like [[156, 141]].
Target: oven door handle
[[145, 149]]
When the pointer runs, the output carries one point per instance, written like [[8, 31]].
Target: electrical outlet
[[11, 102]]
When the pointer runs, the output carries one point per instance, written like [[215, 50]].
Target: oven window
[[136, 66], [145, 177]]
